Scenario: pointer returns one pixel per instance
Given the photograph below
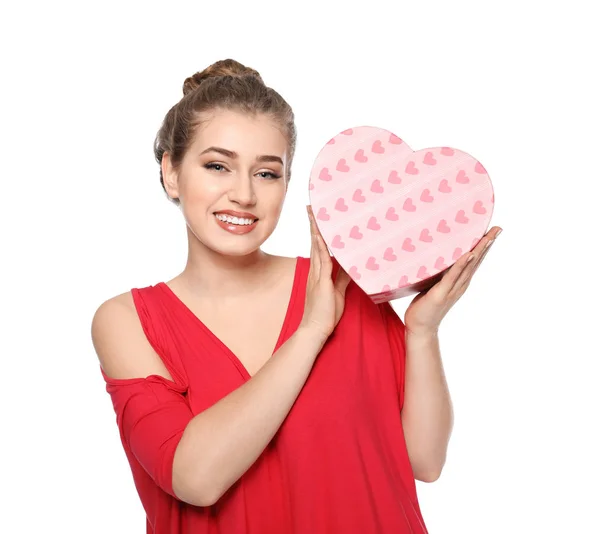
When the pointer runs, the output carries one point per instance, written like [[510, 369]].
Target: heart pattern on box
[[395, 218]]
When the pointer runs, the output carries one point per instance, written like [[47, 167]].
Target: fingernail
[[499, 232]]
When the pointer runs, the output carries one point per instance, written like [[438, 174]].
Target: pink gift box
[[396, 219]]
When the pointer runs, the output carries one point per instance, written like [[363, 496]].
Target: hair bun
[[223, 67]]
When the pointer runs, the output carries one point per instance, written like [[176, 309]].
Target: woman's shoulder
[[118, 305], [120, 342]]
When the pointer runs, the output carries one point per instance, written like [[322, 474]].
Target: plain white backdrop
[[84, 89]]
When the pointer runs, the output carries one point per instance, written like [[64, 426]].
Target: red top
[[338, 463]]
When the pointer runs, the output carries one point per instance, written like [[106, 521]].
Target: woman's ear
[[170, 178]]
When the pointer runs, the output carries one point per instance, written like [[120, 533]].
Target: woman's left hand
[[427, 309]]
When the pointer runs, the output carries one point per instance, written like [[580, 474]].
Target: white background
[[84, 89]]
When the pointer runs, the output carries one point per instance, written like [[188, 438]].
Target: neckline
[[238, 363]]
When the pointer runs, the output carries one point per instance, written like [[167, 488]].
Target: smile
[[235, 225], [234, 220]]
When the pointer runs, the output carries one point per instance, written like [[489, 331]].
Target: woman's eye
[[213, 166], [264, 174], [273, 176]]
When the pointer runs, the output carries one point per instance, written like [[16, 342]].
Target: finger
[[324, 259], [483, 254], [315, 263], [466, 276], [494, 232], [463, 267], [468, 273], [449, 280], [326, 263]]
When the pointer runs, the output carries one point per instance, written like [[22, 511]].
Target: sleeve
[[396, 332], [152, 414]]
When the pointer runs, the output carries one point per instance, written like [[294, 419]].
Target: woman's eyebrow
[[234, 155]]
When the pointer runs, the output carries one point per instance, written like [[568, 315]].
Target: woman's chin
[[227, 247]]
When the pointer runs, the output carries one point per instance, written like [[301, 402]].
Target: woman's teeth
[[233, 220]]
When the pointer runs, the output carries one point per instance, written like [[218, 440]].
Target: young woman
[[264, 394]]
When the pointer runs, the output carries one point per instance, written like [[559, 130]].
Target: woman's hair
[[224, 85]]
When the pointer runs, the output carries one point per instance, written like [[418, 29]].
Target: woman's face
[[231, 183]]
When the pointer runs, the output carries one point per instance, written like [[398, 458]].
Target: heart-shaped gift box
[[396, 219]]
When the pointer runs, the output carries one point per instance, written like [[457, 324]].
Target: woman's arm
[[218, 445], [427, 416]]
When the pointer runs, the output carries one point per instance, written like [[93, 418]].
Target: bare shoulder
[[120, 342]]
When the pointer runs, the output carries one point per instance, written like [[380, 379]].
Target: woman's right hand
[[325, 298]]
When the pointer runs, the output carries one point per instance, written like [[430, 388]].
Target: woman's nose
[[242, 191]]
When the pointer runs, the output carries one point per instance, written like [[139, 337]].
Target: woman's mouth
[[235, 225]]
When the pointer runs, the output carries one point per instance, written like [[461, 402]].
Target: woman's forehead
[[246, 135]]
